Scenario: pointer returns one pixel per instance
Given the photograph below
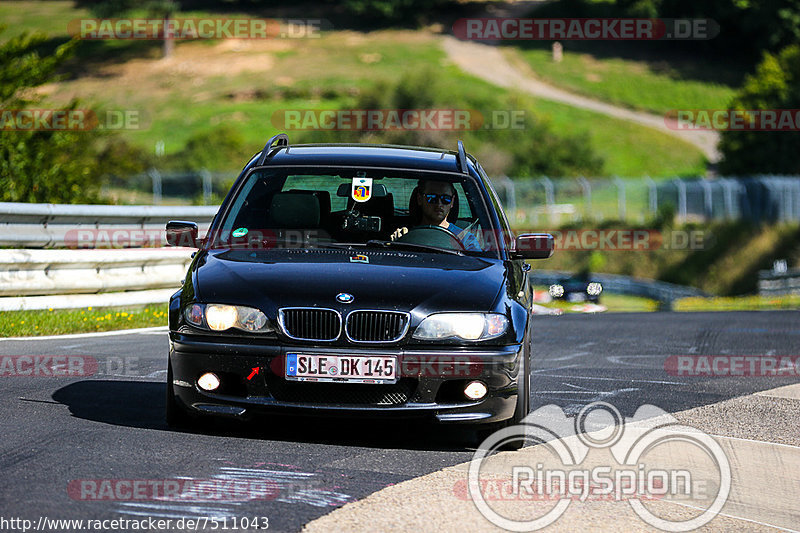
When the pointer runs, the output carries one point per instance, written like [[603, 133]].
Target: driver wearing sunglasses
[[435, 200]]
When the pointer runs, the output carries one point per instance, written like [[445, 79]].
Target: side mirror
[[180, 233], [533, 246]]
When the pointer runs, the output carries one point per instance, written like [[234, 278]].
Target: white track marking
[[569, 356], [144, 331], [613, 379], [554, 368]]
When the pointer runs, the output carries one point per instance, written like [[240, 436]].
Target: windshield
[[358, 207]]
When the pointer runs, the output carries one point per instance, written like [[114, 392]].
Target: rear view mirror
[[180, 233], [533, 246]]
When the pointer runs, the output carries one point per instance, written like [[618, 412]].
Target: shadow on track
[[140, 404]]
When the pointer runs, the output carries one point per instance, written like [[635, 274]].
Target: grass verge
[[616, 303], [63, 321], [738, 303]]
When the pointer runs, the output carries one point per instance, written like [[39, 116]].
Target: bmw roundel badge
[[345, 298]]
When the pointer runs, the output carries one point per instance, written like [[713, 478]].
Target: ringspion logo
[[600, 455]]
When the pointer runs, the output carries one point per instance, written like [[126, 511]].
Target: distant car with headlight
[[317, 291], [576, 289]]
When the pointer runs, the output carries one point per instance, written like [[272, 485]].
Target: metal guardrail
[[60, 226], [771, 283], [68, 279], [37, 278], [46, 272], [663, 292]]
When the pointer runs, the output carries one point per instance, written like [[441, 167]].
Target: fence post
[[681, 186], [549, 197], [727, 195], [620, 197], [156, 177], [587, 197], [708, 200], [509, 195], [652, 195], [205, 175], [796, 201]]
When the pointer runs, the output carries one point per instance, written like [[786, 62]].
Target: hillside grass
[[641, 85], [242, 83], [738, 303]]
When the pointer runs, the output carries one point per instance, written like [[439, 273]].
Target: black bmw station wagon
[[355, 280]]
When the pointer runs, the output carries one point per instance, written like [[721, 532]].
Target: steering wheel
[[438, 236]]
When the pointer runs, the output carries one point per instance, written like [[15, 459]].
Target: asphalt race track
[[58, 431]]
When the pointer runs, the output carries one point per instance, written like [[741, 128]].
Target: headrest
[[380, 206], [324, 198], [294, 209]]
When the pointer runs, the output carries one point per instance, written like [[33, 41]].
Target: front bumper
[[430, 384]]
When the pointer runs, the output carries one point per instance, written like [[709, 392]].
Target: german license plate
[[342, 368]]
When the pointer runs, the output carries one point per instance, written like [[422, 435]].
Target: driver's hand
[[399, 232]]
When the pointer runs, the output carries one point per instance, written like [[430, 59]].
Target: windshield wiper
[[374, 243], [415, 246], [338, 244]]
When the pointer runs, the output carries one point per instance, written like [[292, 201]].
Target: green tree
[[158, 9], [775, 85], [39, 165], [393, 11]]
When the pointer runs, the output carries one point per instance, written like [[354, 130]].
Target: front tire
[[175, 415], [522, 409]]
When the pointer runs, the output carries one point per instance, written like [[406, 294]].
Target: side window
[[464, 208], [508, 236]]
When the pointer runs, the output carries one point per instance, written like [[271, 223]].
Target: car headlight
[[594, 289], [556, 290], [465, 326], [221, 317]]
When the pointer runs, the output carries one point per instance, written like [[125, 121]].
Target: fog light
[[208, 381], [475, 390]]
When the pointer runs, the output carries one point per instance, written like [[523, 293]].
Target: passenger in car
[[431, 204]]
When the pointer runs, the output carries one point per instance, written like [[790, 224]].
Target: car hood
[[398, 280]]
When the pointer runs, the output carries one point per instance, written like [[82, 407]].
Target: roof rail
[[283, 140], [462, 158]]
